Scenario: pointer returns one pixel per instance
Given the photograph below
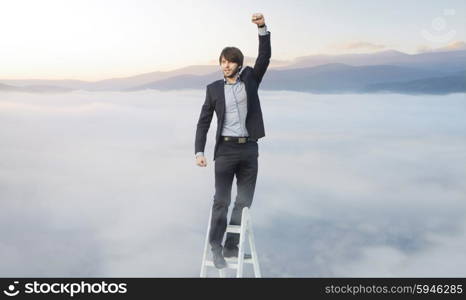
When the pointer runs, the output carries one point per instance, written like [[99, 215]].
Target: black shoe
[[233, 252], [219, 260]]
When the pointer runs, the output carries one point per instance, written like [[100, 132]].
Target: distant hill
[[339, 78], [6, 87], [328, 78], [436, 85], [449, 61], [65, 83], [128, 82], [180, 82], [34, 89]]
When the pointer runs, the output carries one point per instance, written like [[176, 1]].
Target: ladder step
[[232, 262], [235, 260], [234, 228], [210, 263]]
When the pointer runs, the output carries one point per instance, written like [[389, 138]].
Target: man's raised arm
[[265, 50]]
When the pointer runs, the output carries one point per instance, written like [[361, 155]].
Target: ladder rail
[[244, 225], [255, 259], [206, 248]]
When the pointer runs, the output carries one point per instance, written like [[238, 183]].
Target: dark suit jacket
[[215, 100]]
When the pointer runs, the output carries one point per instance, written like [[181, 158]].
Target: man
[[239, 126]]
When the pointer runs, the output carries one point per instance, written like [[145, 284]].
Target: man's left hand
[[258, 19]]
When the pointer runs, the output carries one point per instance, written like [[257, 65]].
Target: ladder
[[234, 262]]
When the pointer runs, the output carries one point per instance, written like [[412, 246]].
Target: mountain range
[[384, 71]]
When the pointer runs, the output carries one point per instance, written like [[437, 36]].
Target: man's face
[[229, 68]]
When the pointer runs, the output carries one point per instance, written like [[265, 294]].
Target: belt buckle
[[242, 140]]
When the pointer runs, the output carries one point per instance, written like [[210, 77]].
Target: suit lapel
[[243, 77], [221, 105]]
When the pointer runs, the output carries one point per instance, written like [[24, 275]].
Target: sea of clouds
[[355, 185]]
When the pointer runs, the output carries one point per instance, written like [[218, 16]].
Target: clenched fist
[[258, 19], [201, 161]]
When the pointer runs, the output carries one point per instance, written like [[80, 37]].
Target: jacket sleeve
[[263, 59], [203, 125]]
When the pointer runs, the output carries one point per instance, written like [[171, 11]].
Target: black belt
[[237, 139]]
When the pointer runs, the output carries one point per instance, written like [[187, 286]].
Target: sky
[[96, 39], [105, 184]]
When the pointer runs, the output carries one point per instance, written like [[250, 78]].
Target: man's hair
[[232, 54]]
